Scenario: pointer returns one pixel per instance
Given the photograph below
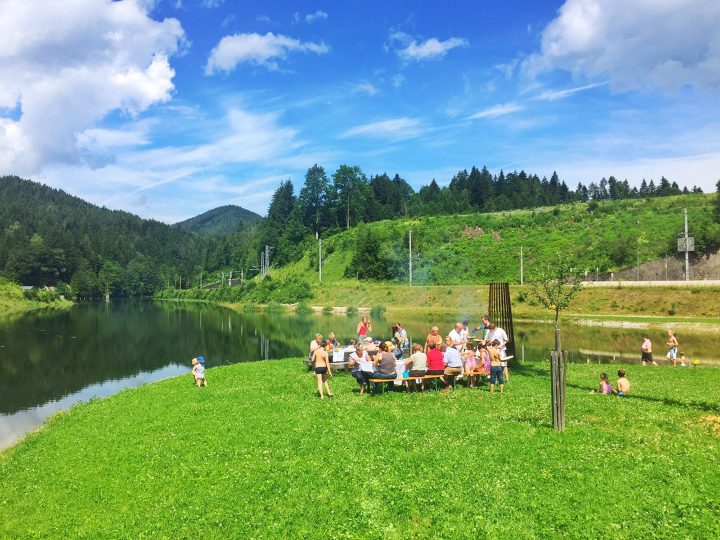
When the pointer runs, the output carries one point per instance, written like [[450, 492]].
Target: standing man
[[672, 344], [456, 336], [484, 326]]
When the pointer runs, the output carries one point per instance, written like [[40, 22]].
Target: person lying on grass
[[321, 364], [198, 373], [622, 387]]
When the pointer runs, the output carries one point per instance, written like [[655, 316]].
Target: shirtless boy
[[322, 369], [622, 386]]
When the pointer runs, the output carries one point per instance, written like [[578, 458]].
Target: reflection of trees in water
[[47, 357]]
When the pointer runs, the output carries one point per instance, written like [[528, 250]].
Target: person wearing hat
[[370, 347]]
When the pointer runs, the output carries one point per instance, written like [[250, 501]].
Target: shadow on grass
[[528, 370]]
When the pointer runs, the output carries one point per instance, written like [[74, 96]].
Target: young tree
[[555, 288]]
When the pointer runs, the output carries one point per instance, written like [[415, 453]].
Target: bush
[[327, 310], [250, 306], [378, 311], [303, 309], [274, 307], [352, 311]]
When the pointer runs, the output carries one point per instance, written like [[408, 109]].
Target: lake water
[[50, 361]]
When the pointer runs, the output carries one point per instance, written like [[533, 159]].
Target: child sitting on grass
[[198, 372], [605, 387], [622, 386]]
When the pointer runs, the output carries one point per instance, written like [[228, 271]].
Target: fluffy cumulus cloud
[[430, 49], [256, 49], [635, 44], [67, 65]]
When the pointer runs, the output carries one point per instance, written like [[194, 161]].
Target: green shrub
[[352, 311], [327, 310], [672, 310], [378, 311], [274, 307], [250, 306], [303, 308]]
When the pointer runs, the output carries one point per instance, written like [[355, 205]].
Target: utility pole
[[201, 280], [242, 276], [230, 279], [347, 219], [222, 278], [410, 256], [521, 266], [687, 253], [320, 259], [180, 282]]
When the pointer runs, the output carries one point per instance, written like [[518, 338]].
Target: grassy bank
[[257, 455], [13, 303]]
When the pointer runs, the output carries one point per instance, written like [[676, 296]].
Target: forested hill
[[220, 221], [48, 236]]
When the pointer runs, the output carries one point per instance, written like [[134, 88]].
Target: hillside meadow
[[258, 455]]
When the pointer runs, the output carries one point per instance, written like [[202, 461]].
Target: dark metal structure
[[500, 312]]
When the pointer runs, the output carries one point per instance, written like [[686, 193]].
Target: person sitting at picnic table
[[435, 361], [384, 364], [355, 364], [433, 337], [417, 363], [364, 328], [370, 347], [314, 344], [331, 342], [452, 359]]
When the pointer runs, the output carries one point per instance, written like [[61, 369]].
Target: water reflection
[[50, 361]]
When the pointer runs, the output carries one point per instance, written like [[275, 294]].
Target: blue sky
[[167, 108]]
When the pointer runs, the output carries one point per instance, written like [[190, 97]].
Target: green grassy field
[[256, 454]]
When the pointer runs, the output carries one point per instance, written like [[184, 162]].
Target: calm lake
[[50, 361]]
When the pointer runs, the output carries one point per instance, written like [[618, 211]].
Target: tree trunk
[[558, 374]]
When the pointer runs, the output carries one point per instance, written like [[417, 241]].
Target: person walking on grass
[[198, 372], [672, 344], [646, 356], [321, 364]]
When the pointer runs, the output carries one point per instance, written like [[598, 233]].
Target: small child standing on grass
[[622, 386], [198, 372]]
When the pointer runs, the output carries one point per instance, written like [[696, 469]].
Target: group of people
[[673, 356], [456, 354]]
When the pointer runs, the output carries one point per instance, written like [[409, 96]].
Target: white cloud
[[496, 111], [318, 15], [365, 88], [430, 49], [256, 49], [554, 95], [396, 128], [398, 80], [636, 45], [68, 65], [213, 3]]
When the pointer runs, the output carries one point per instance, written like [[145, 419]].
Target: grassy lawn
[[13, 303], [256, 454]]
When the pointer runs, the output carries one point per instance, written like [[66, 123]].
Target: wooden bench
[[377, 382]]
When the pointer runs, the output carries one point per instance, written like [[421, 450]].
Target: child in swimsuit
[[322, 368]]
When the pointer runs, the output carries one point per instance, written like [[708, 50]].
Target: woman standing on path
[[322, 369], [364, 328]]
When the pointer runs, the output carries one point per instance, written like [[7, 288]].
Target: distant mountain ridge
[[220, 221]]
